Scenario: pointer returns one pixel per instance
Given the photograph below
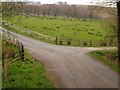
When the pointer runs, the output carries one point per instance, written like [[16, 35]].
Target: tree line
[[62, 10], [74, 11]]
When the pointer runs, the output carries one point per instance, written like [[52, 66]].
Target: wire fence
[[62, 41], [19, 54]]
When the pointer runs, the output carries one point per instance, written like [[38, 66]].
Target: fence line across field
[[64, 41], [7, 35], [79, 42]]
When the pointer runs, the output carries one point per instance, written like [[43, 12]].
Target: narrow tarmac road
[[71, 67]]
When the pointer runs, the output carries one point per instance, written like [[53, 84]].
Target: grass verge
[[24, 74], [107, 57]]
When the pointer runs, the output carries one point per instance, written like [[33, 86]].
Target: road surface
[[71, 67]]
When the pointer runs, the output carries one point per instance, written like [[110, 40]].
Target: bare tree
[[10, 8]]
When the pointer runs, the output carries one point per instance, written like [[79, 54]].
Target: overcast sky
[[55, 1], [68, 1]]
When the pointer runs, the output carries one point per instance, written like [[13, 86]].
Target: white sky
[[84, 2], [55, 1], [68, 1]]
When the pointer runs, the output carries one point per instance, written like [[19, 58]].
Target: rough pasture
[[81, 32]]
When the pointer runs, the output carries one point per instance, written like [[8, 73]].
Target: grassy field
[[22, 74], [107, 57], [63, 28]]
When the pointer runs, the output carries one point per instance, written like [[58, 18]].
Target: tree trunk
[[118, 8]]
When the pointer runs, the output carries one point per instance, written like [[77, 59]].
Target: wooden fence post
[[68, 41], [56, 40], [22, 52], [60, 42], [3, 61], [19, 48], [18, 45], [90, 43], [85, 44]]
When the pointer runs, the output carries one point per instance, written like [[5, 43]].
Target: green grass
[[24, 74], [72, 28], [107, 57], [75, 29]]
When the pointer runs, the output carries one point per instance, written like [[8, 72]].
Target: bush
[[8, 50], [8, 53]]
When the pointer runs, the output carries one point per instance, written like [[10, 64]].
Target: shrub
[[8, 49]]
